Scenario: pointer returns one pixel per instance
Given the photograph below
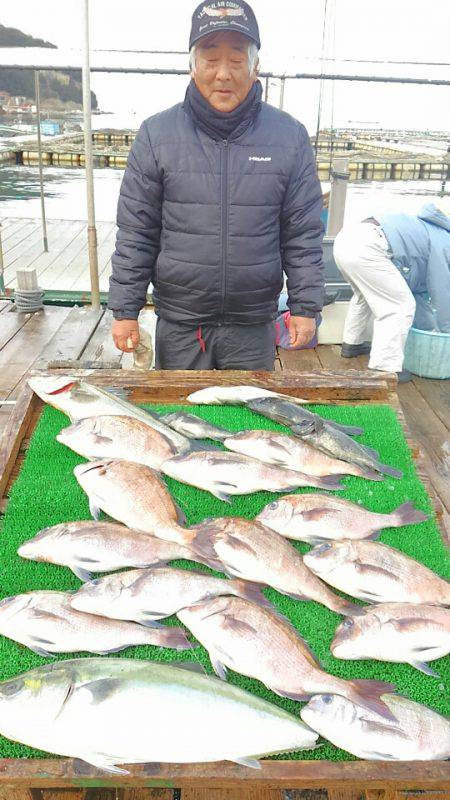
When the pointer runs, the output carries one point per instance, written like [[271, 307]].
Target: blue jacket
[[420, 247], [214, 224]]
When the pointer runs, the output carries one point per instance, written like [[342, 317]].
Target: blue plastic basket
[[427, 354]]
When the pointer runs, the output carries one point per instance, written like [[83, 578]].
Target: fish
[[405, 633], [235, 395], [47, 623], [89, 546], [81, 708], [291, 452], [316, 518], [376, 573], [79, 399], [117, 437], [224, 474], [417, 734], [248, 550], [147, 595], [243, 395], [261, 644], [194, 427], [325, 437], [132, 494]]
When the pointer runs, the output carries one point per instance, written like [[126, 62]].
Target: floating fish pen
[[29, 460]]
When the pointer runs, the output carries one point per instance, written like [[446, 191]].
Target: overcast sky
[[291, 30]]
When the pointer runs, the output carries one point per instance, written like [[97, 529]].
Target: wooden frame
[[173, 387]]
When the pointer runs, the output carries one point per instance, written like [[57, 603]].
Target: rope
[[28, 300]]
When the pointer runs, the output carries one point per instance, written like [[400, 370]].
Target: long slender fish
[[399, 632], [47, 623], [316, 518], [90, 546], [146, 595], [250, 551], [132, 494], [118, 437], [235, 395], [320, 434], [290, 452], [261, 644], [377, 573], [224, 474], [82, 708], [244, 395], [194, 427], [416, 734], [79, 399]]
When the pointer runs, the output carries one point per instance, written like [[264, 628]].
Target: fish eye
[[272, 506], [6, 600], [327, 699], [348, 623], [11, 687], [95, 582]]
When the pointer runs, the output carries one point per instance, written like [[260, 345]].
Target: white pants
[[361, 252]]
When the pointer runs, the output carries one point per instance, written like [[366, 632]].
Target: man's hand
[[301, 330], [125, 332]]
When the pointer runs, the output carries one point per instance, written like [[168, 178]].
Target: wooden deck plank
[[22, 250], [80, 265], [437, 395], [232, 794], [100, 346], [61, 264], [71, 260], [431, 434], [304, 360], [5, 306], [31, 249], [71, 337], [9, 226], [10, 324], [57, 244], [19, 233], [105, 251], [21, 352]]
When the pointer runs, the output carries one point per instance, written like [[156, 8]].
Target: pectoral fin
[[82, 574], [422, 667], [94, 508], [247, 762], [219, 668]]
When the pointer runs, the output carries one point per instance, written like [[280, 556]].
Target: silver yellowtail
[[261, 644], [194, 427], [235, 395], [407, 633], [317, 517], [89, 546], [132, 494], [79, 399], [416, 734], [82, 708], [46, 623], [377, 573]]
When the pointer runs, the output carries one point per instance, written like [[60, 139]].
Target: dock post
[[338, 193], [92, 232], [41, 178]]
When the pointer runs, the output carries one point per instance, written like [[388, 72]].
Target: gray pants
[[249, 347]]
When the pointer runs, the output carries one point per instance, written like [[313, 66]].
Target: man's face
[[221, 70]]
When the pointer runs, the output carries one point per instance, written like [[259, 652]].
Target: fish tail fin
[[385, 469], [350, 430], [250, 591], [367, 693], [406, 514], [331, 482]]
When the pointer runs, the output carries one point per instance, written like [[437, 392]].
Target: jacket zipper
[[225, 152]]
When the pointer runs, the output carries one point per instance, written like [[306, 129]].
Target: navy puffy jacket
[[213, 224]]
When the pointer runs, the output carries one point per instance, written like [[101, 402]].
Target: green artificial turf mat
[[46, 493]]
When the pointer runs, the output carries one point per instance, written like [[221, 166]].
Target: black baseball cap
[[224, 15]]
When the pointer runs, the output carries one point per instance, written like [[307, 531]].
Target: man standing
[[399, 269], [220, 198]]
